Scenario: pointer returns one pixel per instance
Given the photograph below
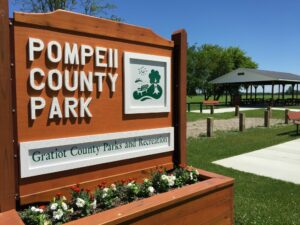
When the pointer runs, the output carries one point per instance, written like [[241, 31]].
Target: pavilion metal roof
[[244, 75]]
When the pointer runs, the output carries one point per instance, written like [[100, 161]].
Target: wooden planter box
[[206, 202]]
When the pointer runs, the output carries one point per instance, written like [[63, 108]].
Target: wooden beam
[[179, 68], [7, 160], [263, 86]]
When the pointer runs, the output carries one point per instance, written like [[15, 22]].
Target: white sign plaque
[[147, 83], [54, 155]]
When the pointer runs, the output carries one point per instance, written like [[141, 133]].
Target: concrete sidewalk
[[223, 110], [280, 162], [232, 109], [283, 109]]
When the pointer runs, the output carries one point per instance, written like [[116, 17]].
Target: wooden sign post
[[179, 93], [8, 166], [87, 100]]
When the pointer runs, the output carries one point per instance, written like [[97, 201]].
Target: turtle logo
[[151, 90]]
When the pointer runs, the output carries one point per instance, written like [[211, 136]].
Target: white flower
[[34, 209], [164, 177], [113, 186], [58, 214], [197, 172], [105, 190], [53, 206], [64, 198], [80, 202], [71, 210], [151, 189], [191, 176], [104, 195], [146, 180], [171, 180], [64, 206], [94, 204]]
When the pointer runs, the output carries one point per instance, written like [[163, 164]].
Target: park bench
[[211, 102], [295, 116], [205, 103]]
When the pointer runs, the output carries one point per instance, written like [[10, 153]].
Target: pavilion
[[253, 78]]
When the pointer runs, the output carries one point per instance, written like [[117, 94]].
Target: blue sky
[[268, 30]]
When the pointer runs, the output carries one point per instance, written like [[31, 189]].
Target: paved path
[[223, 110], [196, 128], [232, 109], [279, 162], [282, 109]]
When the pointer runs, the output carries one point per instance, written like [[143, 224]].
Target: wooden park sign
[[86, 100]]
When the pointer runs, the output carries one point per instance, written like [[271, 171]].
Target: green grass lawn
[[258, 200], [276, 114]]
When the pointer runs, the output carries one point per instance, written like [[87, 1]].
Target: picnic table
[[295, 116]]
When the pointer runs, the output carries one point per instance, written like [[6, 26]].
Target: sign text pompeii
[[82, 81], [96, 149]]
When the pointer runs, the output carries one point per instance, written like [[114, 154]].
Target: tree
[[192, 81], [90, 7], [208, 62]]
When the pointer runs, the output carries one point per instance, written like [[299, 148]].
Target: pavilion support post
[[214, 92], [272, 98], [263, 97], [251, 92], [278, 91], [255, 93], [226, 96], [283, 91], [297, 91], [246, 87], [293, 93]]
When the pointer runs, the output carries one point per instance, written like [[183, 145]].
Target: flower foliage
[[83, 202]]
